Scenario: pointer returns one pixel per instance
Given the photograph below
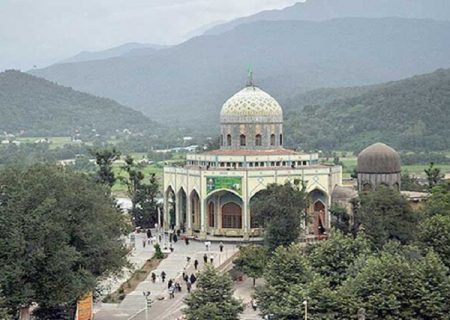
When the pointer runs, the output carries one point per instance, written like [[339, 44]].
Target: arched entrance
[[182, 208], [317, 223], [231, 216], [211, 214], [195, 210]]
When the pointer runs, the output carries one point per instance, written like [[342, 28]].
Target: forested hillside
[[186, 85], [42, 108], [411, 114]]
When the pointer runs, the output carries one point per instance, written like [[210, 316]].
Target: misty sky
[[40, 32]]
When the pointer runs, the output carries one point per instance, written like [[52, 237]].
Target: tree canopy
[[59, 234], [281, 210], [213, 298]]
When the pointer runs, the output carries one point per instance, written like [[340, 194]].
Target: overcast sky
[[40, 32]]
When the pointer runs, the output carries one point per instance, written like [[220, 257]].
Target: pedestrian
[[178, 286], [254, 305], [178, 232], [171, 247], [186, 240], [163, 276], [144, 243], [169, 283], [188, 286], [221, 246], [153, 277], [186, 278], [205, 258], [175, 238], [193, 278], [211, 259], [195, 264], [160, 238], [171, 292], [149, 233]]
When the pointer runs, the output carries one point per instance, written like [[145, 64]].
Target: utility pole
[[148, 303], [305, 303]]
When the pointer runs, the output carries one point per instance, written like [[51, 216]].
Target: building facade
[[212, 193]]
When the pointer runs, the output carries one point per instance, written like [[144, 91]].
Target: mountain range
[[410, 114], [127, 49], [318, 10], [188, 83], [37, 107]]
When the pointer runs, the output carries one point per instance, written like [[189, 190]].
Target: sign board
[[231, 183], [85, 308]]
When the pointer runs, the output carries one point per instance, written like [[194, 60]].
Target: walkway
[[133, 306]]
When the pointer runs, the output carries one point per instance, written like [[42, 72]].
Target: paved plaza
[[133, 307]]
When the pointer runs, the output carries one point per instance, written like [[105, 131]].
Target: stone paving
[[133, 306]]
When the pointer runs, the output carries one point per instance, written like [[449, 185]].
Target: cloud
[[44, 31]]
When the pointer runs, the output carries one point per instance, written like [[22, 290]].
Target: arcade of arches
[[224, 214]]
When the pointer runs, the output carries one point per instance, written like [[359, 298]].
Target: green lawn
[[55, 142], [147, 170]]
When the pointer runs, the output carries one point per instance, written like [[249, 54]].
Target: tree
[[340, 219], [289, 280], [398, 286], [252, 261], [213, 298], [435, 234], [334, 257], [439, 201], [105, 159], [280, 209], [384, 214], [434, 176], [59, 234], [410, 183], [143, 196]]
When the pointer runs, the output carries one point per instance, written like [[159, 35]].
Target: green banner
[[231, 183]]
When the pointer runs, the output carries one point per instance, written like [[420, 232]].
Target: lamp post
[[305, 303], [148, 303]]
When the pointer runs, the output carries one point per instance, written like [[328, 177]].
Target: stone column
[[177, 211], [166, 222], [202, 203]]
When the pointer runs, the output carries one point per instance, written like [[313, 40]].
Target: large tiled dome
[[251, 104], [379, 158]]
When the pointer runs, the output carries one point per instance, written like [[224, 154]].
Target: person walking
[[169, 283], [163, 276], [188, 286], [153, 277], [205, 258], [193, 278], [172, 292], [211, 259], [186, 240], [221, 246], [196, 264], [149, 233]]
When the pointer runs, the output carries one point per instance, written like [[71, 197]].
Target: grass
[[55, 142], [119, 186], [131, 284]]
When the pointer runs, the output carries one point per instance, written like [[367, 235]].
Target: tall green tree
[[143, 195], [333, 258], [105, 159], [439, 201], [213, 298], [434, 175], [290, 280], [252, 261], [384, 214], [435, 234], [398, 286], [280, 209], [59, 234]]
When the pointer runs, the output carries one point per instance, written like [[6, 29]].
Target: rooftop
[[248, 152]]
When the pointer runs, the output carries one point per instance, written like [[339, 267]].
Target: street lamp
[[148, 303], [305, 303]]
